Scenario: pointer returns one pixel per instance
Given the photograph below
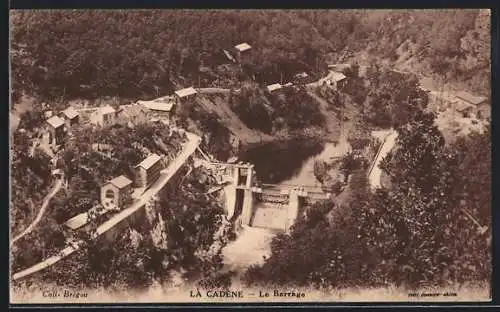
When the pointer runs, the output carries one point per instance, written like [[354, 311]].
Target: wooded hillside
[[135, 53]]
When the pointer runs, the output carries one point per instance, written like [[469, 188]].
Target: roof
[[70, 112], [107, 110], [83, 218], [273, 87], [131, 110], [476, 100], [336, 76], [55, 121], [461, 105], [159, 106], [121, 181], [78, 221], [243, 47], [149, 161], [289, 84], [185, 92]]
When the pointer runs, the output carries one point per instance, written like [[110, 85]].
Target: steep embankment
[[449, 46]]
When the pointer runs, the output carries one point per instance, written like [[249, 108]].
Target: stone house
[[148, 171], [56, 129], [132, 114], [479, 104], [117, 192], [104, 116], [70, 116]]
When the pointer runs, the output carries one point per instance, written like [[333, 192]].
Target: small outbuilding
[[186, 93], [272, 88]]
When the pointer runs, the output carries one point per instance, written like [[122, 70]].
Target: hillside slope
[[96, 53]]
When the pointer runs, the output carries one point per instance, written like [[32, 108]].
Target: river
[[281, 163]]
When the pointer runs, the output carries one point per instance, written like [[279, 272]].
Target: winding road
[[189, 148], [375, 171], [55, 189]]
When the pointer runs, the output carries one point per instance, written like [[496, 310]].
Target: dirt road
[[375, 172], [46, 201]]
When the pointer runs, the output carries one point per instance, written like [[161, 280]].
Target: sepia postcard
[[231, 156]]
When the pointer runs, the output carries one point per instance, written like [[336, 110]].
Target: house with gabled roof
[[479, 103], [117, 193], [56, 129], [104, 116], [70, 116], [336, 79], [241, 49], [148, 170]]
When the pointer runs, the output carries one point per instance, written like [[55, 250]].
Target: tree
[[320, 170]]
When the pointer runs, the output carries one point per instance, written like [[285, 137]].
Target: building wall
[[141, 176], [104, 189], [122, 197], [144, 178], [108, 119], [484, 111], [125, 197], [57, 135], [153, 173]]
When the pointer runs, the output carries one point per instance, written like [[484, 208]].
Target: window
[[110, 196]]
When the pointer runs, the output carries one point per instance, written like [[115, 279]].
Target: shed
[[274, 87], [186, 92], [242, 47]]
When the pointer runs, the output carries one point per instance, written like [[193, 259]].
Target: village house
[[464, 108], [241, 49], [336, 80], [131, 115], [104, 116], [273, 88], [56, 130], [479, 104], [117, 193], [185, 94], [70, 116], [162, 108], [148, 171]]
